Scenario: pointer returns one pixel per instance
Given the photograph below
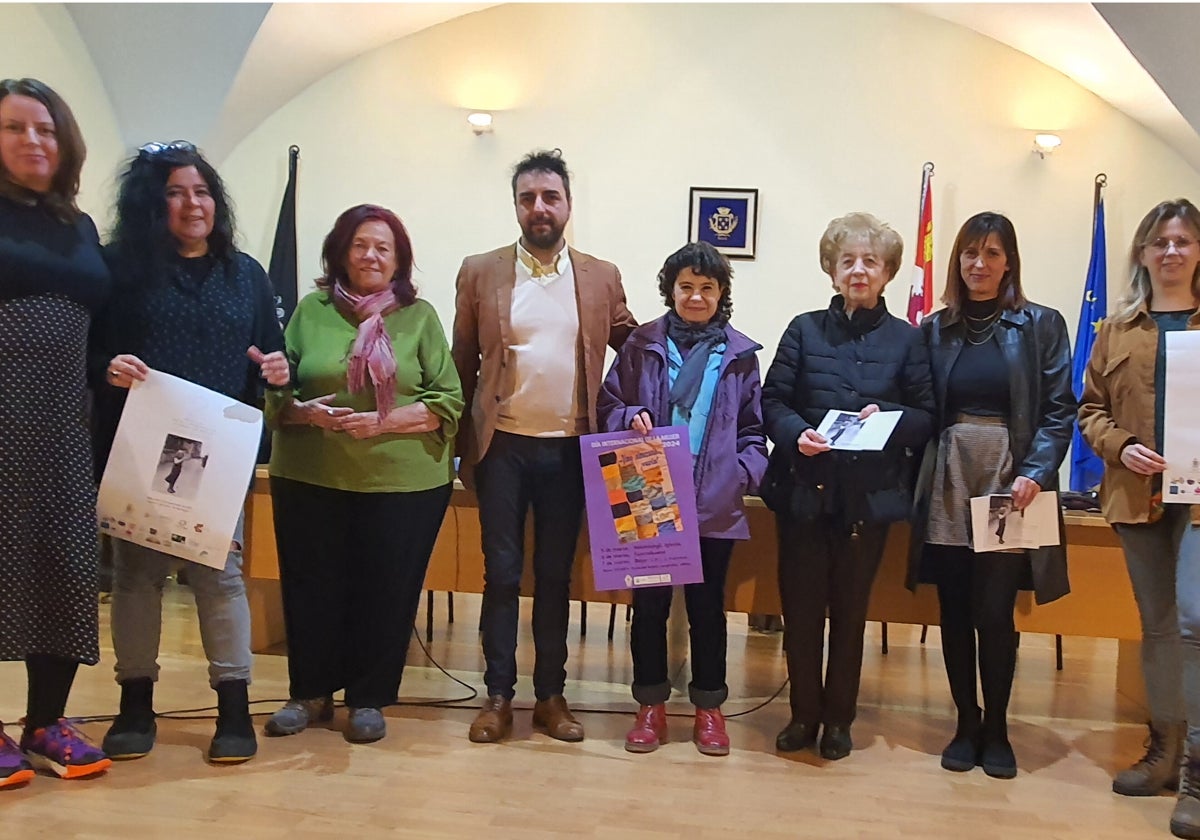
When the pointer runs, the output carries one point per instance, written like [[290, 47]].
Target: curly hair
[[854, 227], [337, 247], [706, 261], [140, 237], [541, 160], [64, 186]]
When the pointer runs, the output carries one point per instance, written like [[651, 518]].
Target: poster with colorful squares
[[641, 509]]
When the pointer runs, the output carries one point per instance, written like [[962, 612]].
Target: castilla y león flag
[[920, 296]]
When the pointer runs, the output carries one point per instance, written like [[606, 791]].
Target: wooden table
[[1100, 605]]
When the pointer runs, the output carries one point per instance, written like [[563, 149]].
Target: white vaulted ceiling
[[211, 72]]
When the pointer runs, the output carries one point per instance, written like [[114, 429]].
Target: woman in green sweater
[[361, 473]]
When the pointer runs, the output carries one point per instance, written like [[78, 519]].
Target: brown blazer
[[483, 333], [1117, 409]]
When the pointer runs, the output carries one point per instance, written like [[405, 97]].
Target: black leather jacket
[[1037, 350]]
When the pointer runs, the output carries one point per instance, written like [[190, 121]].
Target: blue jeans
[[1164, 567], [139, 573]]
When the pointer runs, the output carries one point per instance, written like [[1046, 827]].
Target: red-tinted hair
[[337, 248]]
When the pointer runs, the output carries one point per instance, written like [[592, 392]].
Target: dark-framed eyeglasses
[[149, 150]]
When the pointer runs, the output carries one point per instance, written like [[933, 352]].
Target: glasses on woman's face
[[1160, 246], [151, 149]]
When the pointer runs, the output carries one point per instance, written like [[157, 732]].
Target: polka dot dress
[[48, 576]]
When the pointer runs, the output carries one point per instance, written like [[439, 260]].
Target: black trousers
[[826, 568], [977, 594], [518, 473], [351, 568], [706, 629]]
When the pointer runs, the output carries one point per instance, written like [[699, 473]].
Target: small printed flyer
[[179, 470], [641, 509]]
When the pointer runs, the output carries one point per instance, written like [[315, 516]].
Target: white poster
[[843, 429], [179, 470], [1181, 418], [997, 526]]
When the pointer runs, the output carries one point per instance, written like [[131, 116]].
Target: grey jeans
[[1164, 567], [139, 573]]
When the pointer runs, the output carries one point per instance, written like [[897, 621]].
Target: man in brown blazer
[[530, 327]]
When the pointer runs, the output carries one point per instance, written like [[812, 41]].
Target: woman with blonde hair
[[1121, 417]]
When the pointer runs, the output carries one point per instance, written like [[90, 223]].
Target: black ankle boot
[[996, 753], [234, 739], [133, 730], [962, 753]]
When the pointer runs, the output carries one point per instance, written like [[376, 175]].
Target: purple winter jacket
[[733, 457]]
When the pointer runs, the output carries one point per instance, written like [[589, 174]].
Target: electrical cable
[[449, 703]]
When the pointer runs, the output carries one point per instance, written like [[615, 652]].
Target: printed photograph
[[180, 467]]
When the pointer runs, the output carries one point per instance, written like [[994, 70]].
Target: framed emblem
[[725, 218]]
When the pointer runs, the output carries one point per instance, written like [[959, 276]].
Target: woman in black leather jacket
[[1005, 408], [833, 508]]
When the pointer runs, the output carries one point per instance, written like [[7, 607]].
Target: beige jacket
[[1117, 409], [483, 333]]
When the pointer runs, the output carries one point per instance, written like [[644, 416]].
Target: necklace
[[982, 334]]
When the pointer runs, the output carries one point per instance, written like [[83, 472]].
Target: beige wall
[[41, 42], [826, 109]]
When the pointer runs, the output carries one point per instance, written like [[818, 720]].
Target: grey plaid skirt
[[973, 459]]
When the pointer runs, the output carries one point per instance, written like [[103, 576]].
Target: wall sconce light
[[1045, 144], [481, 122]]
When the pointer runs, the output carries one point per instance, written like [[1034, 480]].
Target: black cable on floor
[[451, 703]]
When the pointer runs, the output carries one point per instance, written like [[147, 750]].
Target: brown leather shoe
[[494, 721], [553, 716]]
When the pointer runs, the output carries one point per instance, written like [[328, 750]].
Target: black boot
[[234, 740], [962, 754], [995, 752], [133, 731]]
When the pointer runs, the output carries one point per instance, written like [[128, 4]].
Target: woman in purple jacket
[[691, 368]]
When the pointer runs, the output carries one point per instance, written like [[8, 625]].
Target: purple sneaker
[[14, 769], [63, 750]]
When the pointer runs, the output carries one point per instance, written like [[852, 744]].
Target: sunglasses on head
[[151, 149]]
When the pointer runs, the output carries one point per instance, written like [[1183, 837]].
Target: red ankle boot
[[649, 730], [709, 732]]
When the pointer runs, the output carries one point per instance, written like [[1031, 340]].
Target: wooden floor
[[425, 780]]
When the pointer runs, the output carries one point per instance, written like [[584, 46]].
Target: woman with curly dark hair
[[361, 472], [188, 303], [691, 368], [52, 281]]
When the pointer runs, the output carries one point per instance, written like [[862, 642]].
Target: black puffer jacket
[[827, 360]]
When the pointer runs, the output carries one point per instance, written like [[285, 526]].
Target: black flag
[[283, 252]]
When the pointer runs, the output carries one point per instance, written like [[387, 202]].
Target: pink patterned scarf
[[372, 352]]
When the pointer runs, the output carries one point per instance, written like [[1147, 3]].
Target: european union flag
[[1086, 466]]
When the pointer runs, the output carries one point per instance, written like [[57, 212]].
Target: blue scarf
[[695, 416]]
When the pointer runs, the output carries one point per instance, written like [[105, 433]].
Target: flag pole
[[1101, 183]]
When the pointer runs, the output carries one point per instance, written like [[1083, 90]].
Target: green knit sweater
[[319, 340]]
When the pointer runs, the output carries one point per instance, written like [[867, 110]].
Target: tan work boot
[[1158, 769], [1185, 821]]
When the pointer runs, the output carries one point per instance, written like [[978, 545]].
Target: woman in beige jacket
[[1121, 417]]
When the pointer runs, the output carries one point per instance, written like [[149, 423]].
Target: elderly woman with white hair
[[833, 507]]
